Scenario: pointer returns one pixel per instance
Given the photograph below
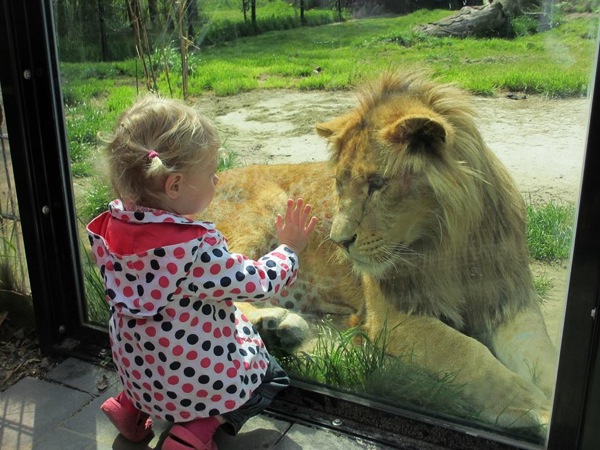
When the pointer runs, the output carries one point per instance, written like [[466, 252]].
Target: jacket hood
[[145, 255]]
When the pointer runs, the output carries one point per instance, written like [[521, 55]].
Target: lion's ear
[[336, 132], [326, 129], [421, 134], [333, 127], [339, 125]]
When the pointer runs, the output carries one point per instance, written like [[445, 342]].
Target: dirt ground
[[540, 140]]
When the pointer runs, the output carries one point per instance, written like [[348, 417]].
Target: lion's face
[[379, 218], [384, 157], [380, 214]]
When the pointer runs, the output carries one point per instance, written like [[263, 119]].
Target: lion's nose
[[344, 243]]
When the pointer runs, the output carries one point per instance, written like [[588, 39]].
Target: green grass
[[12, 277], [218, 22], [550, 231], [94, 201], [349, 360], [557, 62], [542, 285]]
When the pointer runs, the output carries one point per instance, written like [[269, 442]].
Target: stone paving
[[63, 412]]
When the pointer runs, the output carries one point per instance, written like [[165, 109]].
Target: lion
[[421, 234]]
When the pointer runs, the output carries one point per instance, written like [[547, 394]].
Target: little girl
[[183, 351]]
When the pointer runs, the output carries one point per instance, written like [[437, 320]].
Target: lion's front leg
[[501, 397], [523, 345], [278, 327]]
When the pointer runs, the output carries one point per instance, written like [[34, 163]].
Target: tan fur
[[431, 230]]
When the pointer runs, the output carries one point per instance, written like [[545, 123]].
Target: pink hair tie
[[152, 154]]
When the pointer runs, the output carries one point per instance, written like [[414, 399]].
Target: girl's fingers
[[289, 211], [298, 213], [298, 210], [311, 225], [305, 213], [306, 216]]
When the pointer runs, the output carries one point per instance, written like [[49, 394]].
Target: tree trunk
[[133, 14], [103, 37], [491, 19], [192, 18], [153, 11], [62, 24], [245, 7], [183, 47]]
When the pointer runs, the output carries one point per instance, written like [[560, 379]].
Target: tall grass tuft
[[351, 361], [13, 271], [97, 306], [542, 285], [227, 160], [550, 231]]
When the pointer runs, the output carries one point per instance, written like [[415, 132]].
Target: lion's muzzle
[[342, 242]]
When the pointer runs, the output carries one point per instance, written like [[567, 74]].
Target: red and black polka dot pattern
[[181, 347]]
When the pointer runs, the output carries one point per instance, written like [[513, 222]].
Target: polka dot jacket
[[181, 347]]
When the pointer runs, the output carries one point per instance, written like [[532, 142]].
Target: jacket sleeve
[[217, 274]]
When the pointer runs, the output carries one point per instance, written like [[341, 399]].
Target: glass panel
[[435, 279]]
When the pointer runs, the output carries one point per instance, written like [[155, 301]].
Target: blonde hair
[[152, 139]]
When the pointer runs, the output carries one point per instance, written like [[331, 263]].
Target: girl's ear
[[173, 185]]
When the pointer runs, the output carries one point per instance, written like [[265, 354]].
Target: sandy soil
[[541, 141]]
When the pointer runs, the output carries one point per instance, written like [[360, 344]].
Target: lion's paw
[[280, 328], [524, 417], [525, 408]]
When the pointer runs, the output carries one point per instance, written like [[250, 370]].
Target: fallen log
[[490, 20]]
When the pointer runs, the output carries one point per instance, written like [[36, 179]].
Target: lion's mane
[[467, 264]]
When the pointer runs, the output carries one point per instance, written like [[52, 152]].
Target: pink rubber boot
[[195, 435], [131, 422]]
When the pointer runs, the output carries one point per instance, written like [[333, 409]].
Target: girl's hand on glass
[[294, 229]]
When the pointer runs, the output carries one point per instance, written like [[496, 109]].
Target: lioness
[[421, 233]]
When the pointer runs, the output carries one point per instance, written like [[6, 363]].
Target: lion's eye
[[376, 183]]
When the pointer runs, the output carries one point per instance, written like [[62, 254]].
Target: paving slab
[[303, 437], [260, 433], [32, 409], [84, 376]]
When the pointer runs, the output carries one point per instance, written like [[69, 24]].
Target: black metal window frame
[[30, 82]]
